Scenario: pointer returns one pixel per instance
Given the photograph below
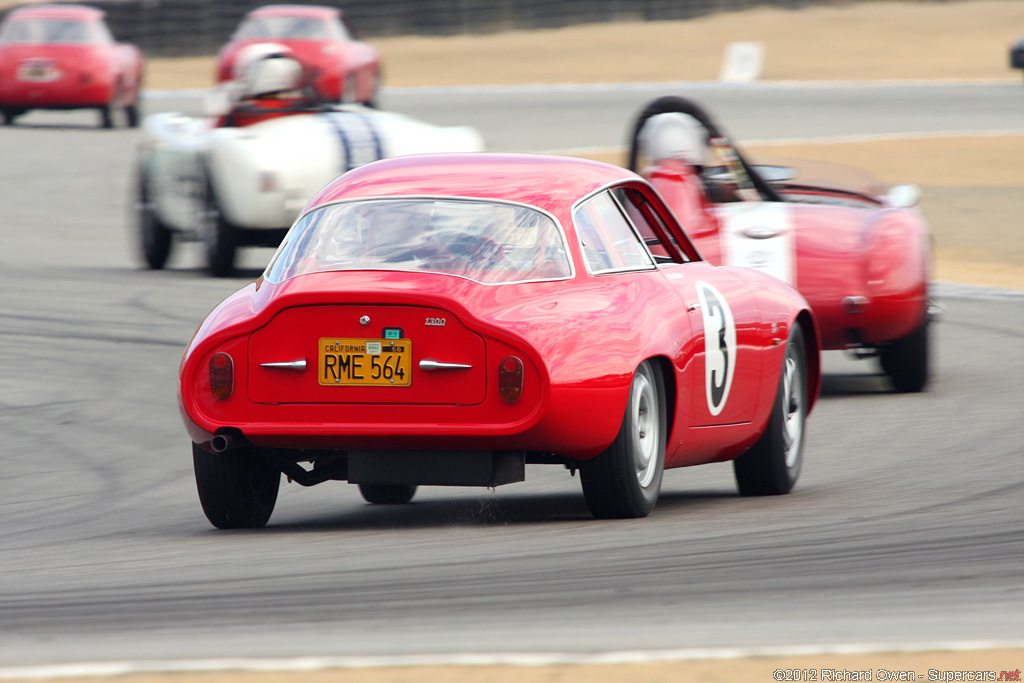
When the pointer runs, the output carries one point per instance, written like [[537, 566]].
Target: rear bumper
[[58, 95]]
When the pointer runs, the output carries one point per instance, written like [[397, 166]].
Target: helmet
[[267, 68], [674, 136]]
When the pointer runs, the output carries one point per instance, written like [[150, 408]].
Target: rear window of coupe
[[284, 27], [41, 31], [485, 241]]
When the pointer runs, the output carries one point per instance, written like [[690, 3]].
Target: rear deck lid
[[362, 354]]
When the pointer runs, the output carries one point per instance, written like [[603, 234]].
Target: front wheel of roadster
[[624, 480], [387, 494], [154, 237], [237, 488], [772, 465]]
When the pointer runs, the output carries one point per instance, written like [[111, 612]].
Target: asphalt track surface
[[905, 527]]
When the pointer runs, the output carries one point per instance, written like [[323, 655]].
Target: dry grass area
[[753, 670]]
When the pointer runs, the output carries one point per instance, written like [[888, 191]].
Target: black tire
[[906, 360], [220, 238], [9, 116], [237, 488], [772, 465], [387, 494], [155, 238], [624, 481], [107, 116], [131, 113]]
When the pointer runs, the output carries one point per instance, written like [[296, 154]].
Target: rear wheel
[[131, 113], [625, 480], [387, 494], [772, 465], [154, 237], [905, 360], [107, 116], [220, 238], [9, 115], [237, 488]]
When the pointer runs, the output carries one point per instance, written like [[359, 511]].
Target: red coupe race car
[[448, 319], [858, 252], [340, 68], [63, 57]]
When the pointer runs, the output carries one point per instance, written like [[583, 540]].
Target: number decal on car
[[436, 322], [719, 346]]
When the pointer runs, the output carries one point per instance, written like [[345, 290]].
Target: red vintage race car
[[63, 57], [340, 68], [448, 319], [858, 251]]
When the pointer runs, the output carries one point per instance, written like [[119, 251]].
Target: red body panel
[[580, 338], [67, 75], [879, 255], [329, 64]]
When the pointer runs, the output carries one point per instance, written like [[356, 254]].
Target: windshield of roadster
[[489, 242]]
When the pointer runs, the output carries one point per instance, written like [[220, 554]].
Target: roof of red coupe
[[548, 182], [57, 12]]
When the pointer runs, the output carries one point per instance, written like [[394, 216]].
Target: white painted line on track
[[831, 140], [526, 659], [691, 85], [633, 86], [955, 290]]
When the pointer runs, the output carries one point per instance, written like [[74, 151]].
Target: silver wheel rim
[[646, 428], [793, 410]]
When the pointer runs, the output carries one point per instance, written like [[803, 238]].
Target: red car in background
[[858, 251], [449, 319], [338, 67], [64, 57]]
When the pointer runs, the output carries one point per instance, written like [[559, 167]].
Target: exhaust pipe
[[223, 442]]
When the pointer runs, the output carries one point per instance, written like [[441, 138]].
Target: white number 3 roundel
[[719, 346]]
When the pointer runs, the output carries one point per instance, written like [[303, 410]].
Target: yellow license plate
[[365, 362], [37, 73]]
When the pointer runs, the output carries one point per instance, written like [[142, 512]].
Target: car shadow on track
[[483, 511], [838, 385]]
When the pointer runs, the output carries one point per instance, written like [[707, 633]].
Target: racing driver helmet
[[267, 69], [674, 136]]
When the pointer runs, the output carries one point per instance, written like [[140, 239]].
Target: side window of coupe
[[607, 238], [649, 225]]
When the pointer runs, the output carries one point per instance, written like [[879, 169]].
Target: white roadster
[[244, 186]]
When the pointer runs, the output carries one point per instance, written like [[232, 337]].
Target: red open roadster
[[63, 57], [858, 251], [449, 319]]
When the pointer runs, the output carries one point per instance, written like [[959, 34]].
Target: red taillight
[[510, 379], [222, 375]]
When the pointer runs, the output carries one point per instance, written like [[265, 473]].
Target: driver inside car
[[272, 84], [676, 147]]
